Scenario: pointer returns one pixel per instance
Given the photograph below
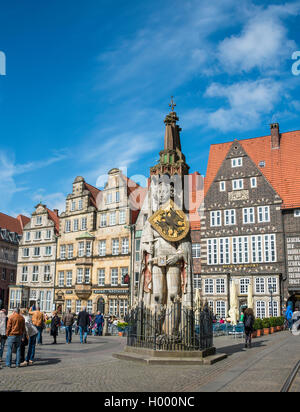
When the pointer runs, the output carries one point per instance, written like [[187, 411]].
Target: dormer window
[[80, 204], [39, 220], [73, 206], [262, 163], [297, 212], [237, 162]]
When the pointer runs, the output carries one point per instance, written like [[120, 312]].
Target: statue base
[[165, 357]]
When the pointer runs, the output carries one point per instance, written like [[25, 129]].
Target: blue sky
[[88, 84]]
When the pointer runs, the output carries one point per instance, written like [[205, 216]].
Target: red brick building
[[11, 230]]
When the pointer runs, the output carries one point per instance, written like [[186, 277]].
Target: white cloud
[[10, 170], [248, 102], [51, 200], [263, 42]]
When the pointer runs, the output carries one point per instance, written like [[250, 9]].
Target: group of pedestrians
[[18, 331]]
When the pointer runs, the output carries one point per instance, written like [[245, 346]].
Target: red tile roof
[[53, 216], [196, 196], [282, 166], [94, 192], [13, 224]]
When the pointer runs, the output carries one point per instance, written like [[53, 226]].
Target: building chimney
[[275, 136], [55, 211]]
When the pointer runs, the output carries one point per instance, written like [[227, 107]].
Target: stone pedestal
[[164, 357]]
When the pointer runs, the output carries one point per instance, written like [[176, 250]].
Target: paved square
[[91, 367]]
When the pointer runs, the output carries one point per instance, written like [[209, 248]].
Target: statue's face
[[164, 192]]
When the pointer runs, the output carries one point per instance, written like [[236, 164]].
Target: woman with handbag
[[31, 337], [3, 337]]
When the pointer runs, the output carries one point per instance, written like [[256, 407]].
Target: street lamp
[[271, 290]]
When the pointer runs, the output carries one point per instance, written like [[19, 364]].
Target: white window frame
[[248, 215], [197, 280], [237, 162], [115, 247], [69, 278], [221, 309], [79, 276], [196, 250], [101, 277], [244, 284], [220, 286], [102, 247], [209, 286], [114, 276], [260, 309], [260, 285], [296, 212], [122, 216], [61, 279], [103, 220], [263, 214], [125, 246], [253, 182], [222, 186], [238, 184], [229, 217], [47, 273], [216, 218]]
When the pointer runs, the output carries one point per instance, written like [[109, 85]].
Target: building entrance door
[[101, 305]]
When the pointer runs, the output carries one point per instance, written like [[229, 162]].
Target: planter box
[[266, 331], [254, 334], [278, 328], [259, 332], [272, 329]]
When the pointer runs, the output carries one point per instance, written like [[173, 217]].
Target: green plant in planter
[[257, 324], [266, 323], [280, 321], [122, 325], [273, 322]]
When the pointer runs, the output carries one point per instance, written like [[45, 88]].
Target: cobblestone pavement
[[91, 367]]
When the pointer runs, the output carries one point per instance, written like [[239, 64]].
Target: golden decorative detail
[[171, 223]]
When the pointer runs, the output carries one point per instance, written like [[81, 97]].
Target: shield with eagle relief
[[171, 223]]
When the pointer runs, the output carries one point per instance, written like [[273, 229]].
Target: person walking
[[3, 337], [99, 322], [38, 320], [83, 323], [32, 333], [68, 321], [55, 323], [14, 332], [248, 323], [289, 317]]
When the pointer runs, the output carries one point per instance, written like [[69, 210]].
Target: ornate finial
[[172, 105]]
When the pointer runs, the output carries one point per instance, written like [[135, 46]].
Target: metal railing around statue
[[176, 328]]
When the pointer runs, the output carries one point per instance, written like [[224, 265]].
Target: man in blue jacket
[[99, 322]]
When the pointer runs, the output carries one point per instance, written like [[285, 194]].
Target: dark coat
[[55, 323], [83, 319], [248, 323]]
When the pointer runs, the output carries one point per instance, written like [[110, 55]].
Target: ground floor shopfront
[[27, 296], [107, 301], [265, 290]]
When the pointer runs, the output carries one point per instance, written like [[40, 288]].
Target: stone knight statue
[[166, 251]]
